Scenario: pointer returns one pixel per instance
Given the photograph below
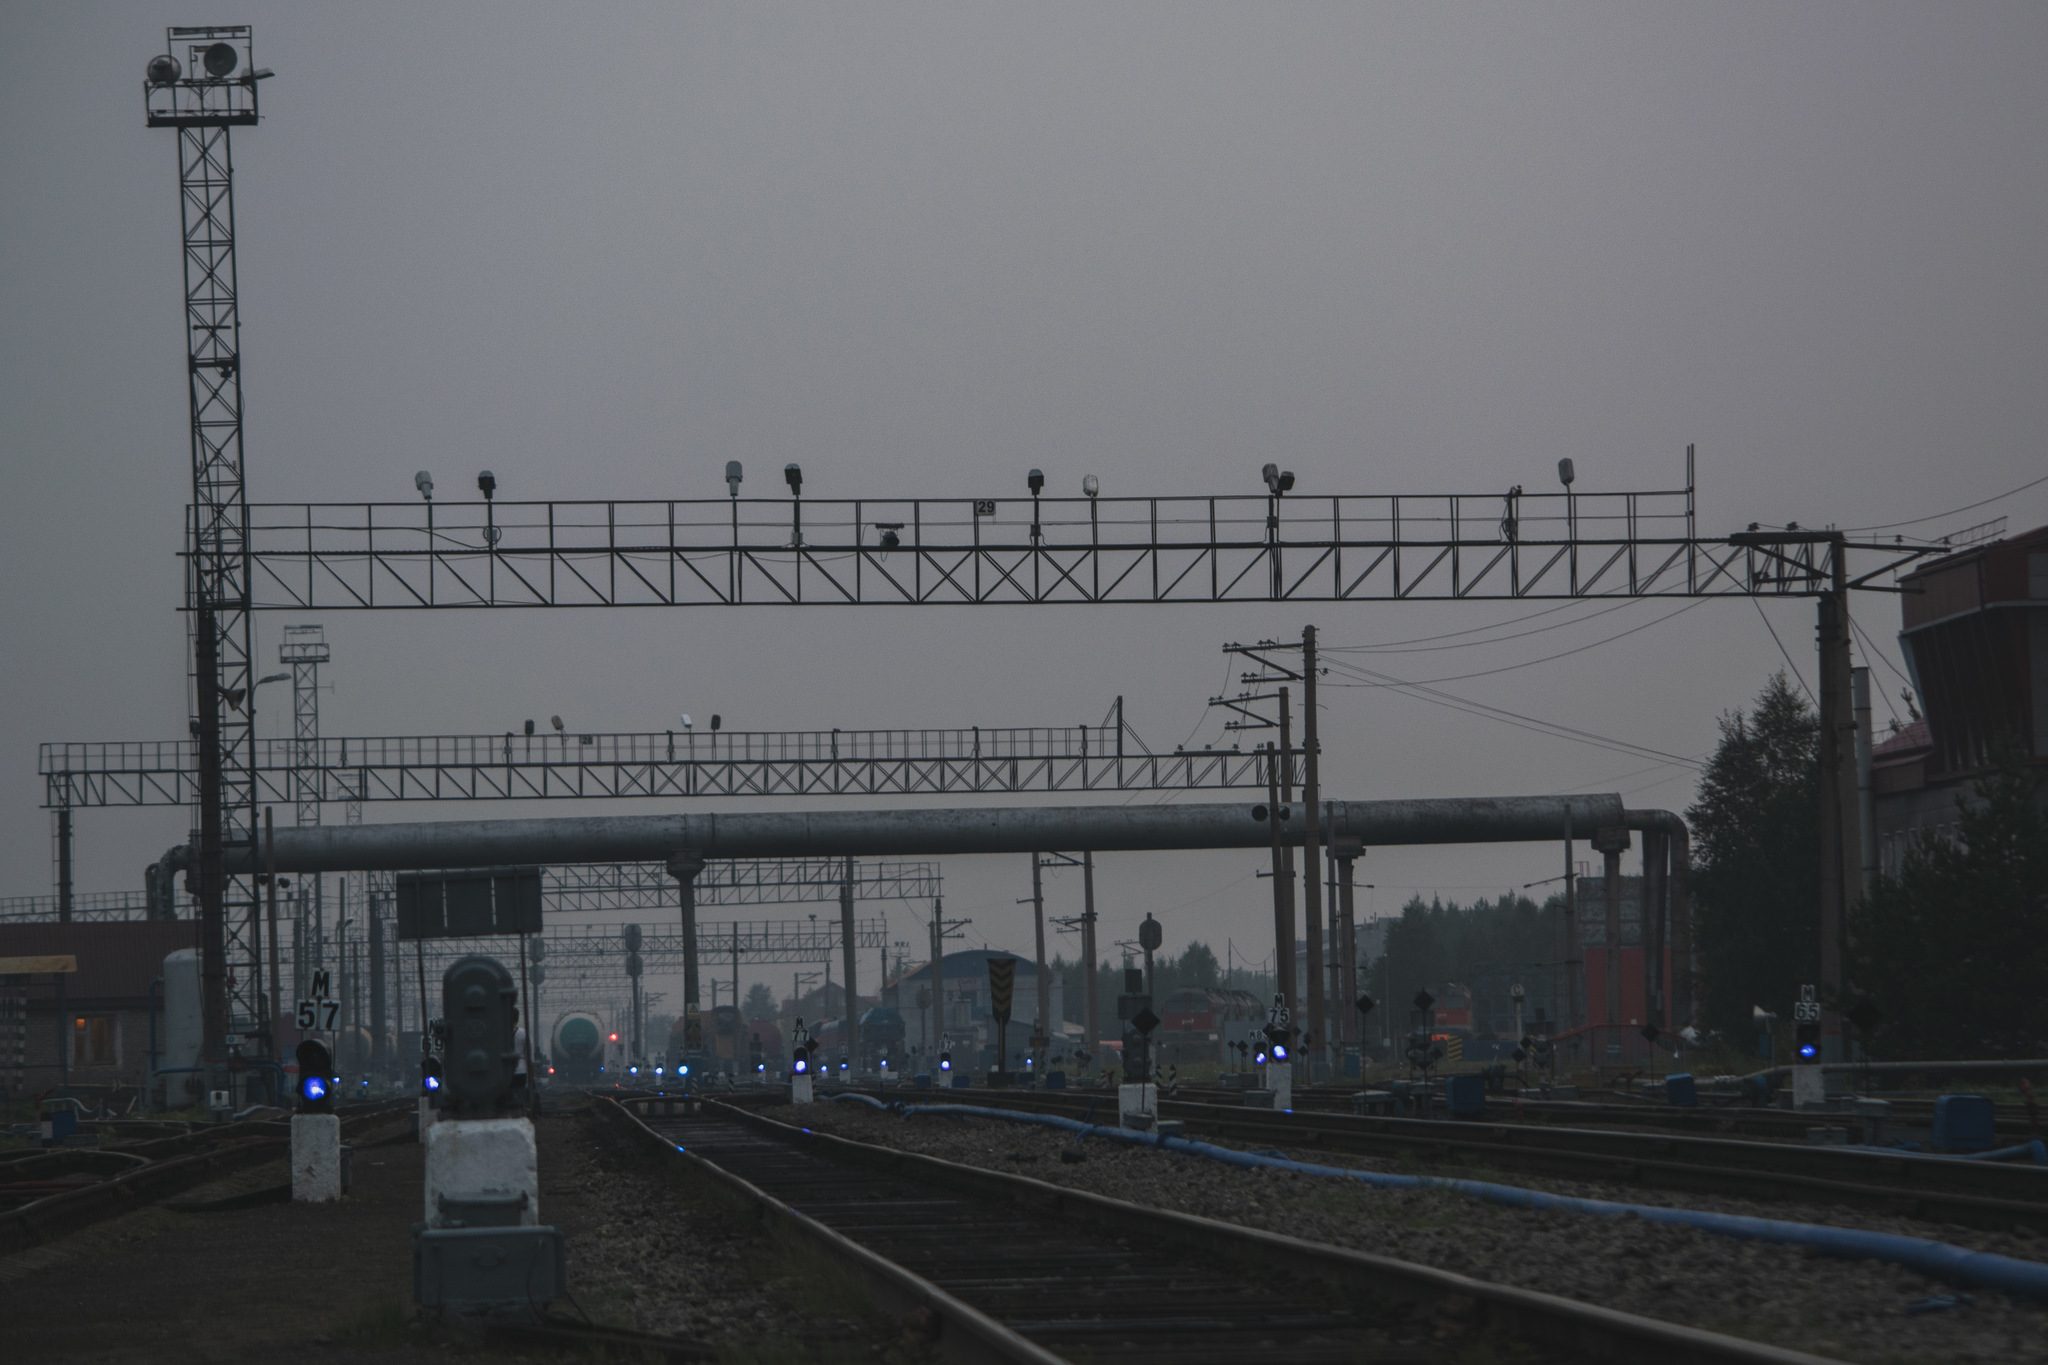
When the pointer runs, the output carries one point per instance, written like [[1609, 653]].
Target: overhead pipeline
[[918, 833]]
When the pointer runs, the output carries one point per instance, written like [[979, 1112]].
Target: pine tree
[[1756, 861]]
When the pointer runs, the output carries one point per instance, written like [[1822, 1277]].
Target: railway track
[[1004, 1267], [59, 1190], [1994, 1196]]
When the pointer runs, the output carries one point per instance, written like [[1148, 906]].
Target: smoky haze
[[603, 250]]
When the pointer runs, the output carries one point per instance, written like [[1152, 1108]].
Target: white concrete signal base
[[483, 1164], [800, 1089], [1136, 1100], [1280, 1080], [1809, 1088], [316, 1158]]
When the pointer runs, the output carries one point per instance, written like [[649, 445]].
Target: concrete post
[[846, 950], [1311, 881], [1094, 1004]]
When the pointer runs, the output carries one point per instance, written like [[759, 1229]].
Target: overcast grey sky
[[1399, 249]]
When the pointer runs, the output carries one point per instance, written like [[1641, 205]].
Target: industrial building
[[1974, 632]]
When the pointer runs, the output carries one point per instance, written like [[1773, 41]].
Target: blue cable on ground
[[2007, 1274]]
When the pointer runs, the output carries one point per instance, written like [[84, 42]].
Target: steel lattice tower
[[305, 649], [203, 85]]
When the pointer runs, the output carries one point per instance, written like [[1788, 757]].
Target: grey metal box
[[488, 1274]]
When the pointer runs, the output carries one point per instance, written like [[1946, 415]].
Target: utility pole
[[1311, 800], [1841, 862], [1291, 968], [1044, 1029], [1283, 930], [64, 865], [1346, 852], [846, 948], [1088, 959], [938, 995]]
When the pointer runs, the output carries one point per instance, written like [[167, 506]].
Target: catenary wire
[[1782, 651], [1966, 507]]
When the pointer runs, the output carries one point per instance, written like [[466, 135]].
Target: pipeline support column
[[684, 865]]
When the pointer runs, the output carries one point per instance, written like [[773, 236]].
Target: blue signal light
[[1260, 1057], [657, 1070], [1807, 1052], [314, 1087], [682, 1068], [432, 1082], [802, 1066], [1279, 1052]]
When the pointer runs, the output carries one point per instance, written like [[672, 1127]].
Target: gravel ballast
[[1853, 1311]]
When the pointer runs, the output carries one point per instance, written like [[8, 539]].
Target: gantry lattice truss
[[724, 552], [1081, 758]]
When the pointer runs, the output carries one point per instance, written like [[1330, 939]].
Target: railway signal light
[[430, 1074], [945, 1061], [1806, 1040], [477, 999], [800, 1061], [316, 1078]]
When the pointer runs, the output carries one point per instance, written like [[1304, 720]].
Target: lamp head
[[1091, 485], [732, 477], [220, 60], [425, 483], [1565, 473], [163, 70], [1036, 479], [793, 475], [487, 483]]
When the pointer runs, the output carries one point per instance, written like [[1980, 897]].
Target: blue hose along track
[[1940, 1260]]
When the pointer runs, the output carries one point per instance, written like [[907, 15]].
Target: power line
[[1471, 644], [1530, 663], [1966, 507], [1514, 718], [1454, 634]]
